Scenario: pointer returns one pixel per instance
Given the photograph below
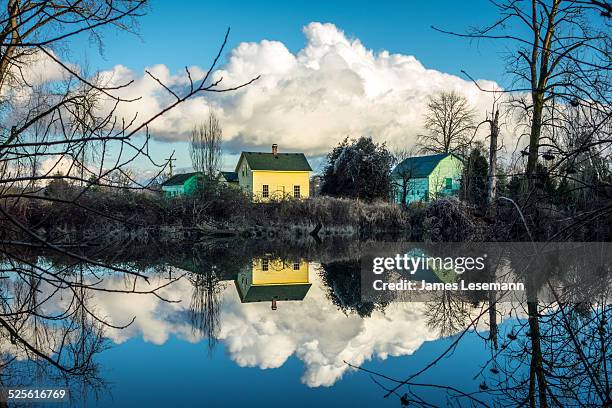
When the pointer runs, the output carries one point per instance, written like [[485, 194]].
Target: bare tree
[[63, 124], [560, 58], [492, 174], [205, 148], [493, 120], [449, 123]]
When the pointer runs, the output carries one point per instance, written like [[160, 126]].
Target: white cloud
[[31, 84], [57, 164], [332, 88]]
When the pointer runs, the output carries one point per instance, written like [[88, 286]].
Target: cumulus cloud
[[307, 101], [30, 84]]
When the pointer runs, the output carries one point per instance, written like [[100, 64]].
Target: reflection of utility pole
[[170, 160]]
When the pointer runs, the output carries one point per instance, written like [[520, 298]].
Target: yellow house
[[274, 176], [273, 280]]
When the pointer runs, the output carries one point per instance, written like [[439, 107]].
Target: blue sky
[[180, 33], [186, 33]]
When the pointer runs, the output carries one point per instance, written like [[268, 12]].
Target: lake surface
[[267, 331]]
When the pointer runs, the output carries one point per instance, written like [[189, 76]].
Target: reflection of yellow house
[[273, 280], [268, 176]]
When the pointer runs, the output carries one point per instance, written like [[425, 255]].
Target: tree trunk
[[491, 176], [537, 367], [534, 137]]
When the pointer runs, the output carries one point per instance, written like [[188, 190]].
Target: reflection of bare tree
[[448, 313], [562, 351], [60, 344], [204, 306], [50, 327], [556, 356], [556, 352]]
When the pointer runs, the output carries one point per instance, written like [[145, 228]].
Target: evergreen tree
[[358, 169], [474, 180]]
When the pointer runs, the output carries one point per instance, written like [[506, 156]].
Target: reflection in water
[[309, 327], [319, 319], [204, 307], [312, 329], [273, 280]]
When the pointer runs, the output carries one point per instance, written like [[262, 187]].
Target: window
[[448, 183], [264, 265], [296, 192], [296, 266], [265, 191]]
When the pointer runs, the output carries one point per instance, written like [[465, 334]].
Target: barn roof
[[230, 176], [265, 293], [420, 166], [179, 179], [279, 161]]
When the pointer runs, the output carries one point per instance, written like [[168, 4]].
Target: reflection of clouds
[[156, 319], [313, 330], [319, 334]]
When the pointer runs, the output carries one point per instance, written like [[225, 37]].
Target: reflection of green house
[[431, 274], [426, 177], [181, 184], [272, 280]]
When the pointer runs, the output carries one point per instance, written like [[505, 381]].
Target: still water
[[259, 331]]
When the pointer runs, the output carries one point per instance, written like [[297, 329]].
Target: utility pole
[[170, 165]]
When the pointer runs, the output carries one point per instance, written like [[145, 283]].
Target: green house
[[181, 184], [425, 178]]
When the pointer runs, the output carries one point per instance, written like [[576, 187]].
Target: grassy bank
[[71, 215]]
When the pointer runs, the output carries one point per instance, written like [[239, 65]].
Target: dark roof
[[421, 166], [179, 179], [230, 176], [282, 161], [265, 293]]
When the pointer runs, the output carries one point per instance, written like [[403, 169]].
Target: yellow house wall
[[279, 181], [279, 273]]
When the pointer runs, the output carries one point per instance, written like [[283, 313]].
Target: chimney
[[274, 149]]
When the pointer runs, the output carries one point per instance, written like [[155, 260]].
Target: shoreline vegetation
[[67, 215]]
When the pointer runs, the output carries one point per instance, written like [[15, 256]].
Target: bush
[[358, 169], [333, 212], [450, 220]]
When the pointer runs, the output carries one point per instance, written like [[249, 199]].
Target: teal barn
[[425, 178], [181, 184]]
